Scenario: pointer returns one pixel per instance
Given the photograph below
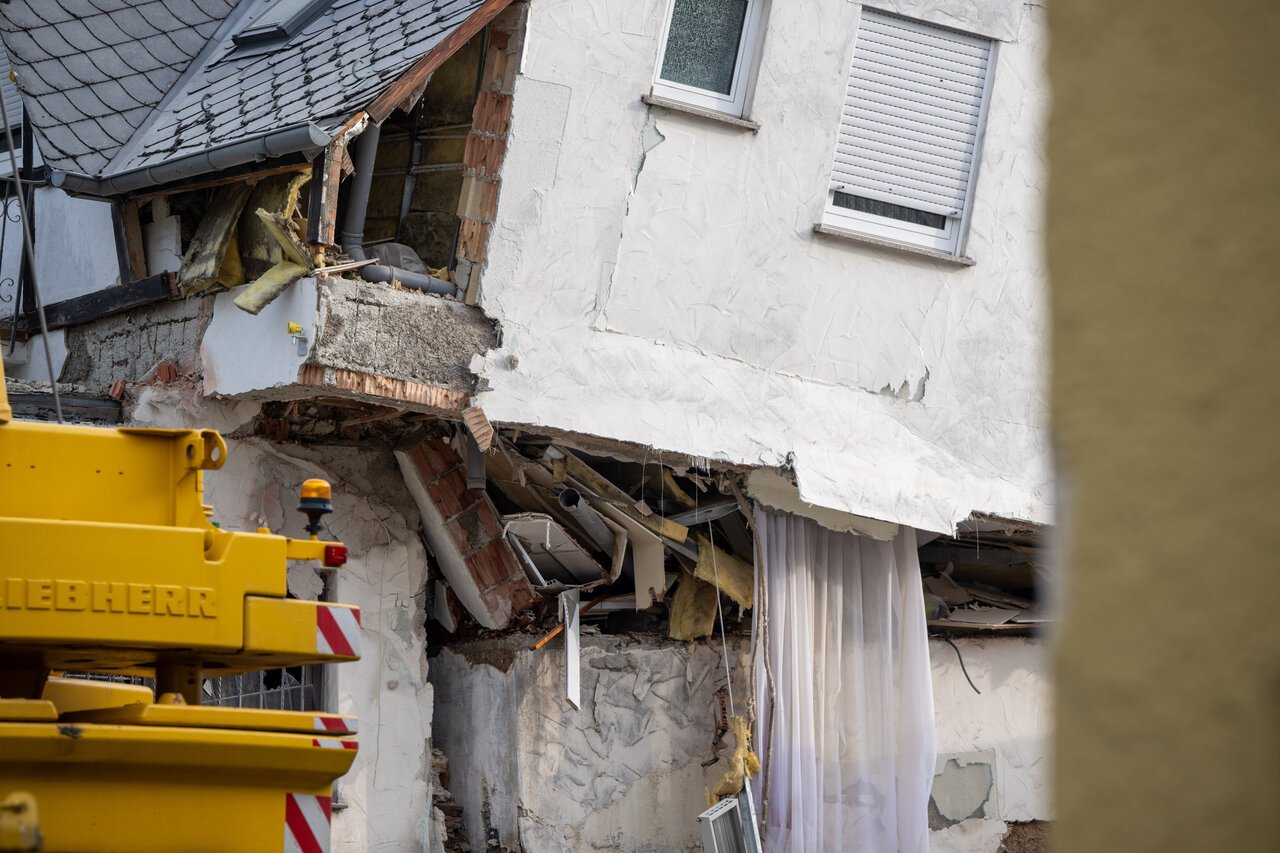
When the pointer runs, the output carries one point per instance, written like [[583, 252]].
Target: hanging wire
[[28, 249], [715, 571]]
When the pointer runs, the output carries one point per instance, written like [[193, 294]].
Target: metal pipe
[[291, 140], [352, 237], [571, 502], [413, 280]]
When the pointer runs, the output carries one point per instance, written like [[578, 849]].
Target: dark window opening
[[891, 211]]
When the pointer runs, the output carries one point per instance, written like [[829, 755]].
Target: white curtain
[[848, 744]]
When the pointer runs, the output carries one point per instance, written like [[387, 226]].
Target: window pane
[[702, 46], [893, 211]]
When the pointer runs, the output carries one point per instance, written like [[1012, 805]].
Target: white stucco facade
[[658, 279]]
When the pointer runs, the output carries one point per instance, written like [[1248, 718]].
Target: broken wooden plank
[[134, 245], [202, 263], [100, 303], [428, 63]]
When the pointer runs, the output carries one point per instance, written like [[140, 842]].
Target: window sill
[[854, 236], [676, 106]]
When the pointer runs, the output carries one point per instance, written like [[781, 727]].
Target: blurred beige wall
[[1164, 245]]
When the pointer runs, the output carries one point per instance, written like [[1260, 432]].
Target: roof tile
[[80, 8], [113, 63], [163, 48], [160, 16], [50, 40], [133, 23], [115, 95], [86, 57], [107, 30], [85, 100], [340, 61]]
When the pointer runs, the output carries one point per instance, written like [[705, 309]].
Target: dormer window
[[280, 21]]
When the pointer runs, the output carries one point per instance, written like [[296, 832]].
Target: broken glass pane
[[702, 46]]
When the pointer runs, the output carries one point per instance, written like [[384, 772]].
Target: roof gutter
[[301, 138]]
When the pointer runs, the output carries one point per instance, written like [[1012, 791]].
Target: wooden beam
[[248, 178], [101, 303], [134, 247], [404, 86]]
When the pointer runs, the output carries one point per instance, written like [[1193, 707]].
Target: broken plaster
[[717, 325]]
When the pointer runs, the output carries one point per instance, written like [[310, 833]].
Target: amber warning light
[[316, 504]]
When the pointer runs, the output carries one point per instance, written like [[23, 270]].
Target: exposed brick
[[492, 113], [489, 200], [483, 155], [473, 240], [479, 198], [439, 456], [474, 528], [494, 565], [451, 495], [516, 594]]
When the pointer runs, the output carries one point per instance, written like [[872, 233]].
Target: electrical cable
[[28, 248], [724, 643], [960, 657]]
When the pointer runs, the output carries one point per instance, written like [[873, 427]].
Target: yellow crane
[[110, 563]]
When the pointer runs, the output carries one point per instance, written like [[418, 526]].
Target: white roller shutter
[[9, 91], [909, 128]]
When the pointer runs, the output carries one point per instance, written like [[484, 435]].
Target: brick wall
[[487, 146]]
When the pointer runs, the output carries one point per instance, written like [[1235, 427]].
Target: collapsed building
[[644, 411]]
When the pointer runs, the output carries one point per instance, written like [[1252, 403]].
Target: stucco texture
[[658, 279], [1163, 260], [622, 773]]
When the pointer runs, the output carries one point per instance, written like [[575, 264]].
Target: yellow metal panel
[[84, 585], [70, 695], [35, 710], [126, 476], [149, 789], [314, 630], [207, 716]]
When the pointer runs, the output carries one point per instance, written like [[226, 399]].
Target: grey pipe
[[571, 502], [291, 140], [352, 237]]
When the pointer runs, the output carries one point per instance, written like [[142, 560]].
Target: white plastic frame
[[733, 104]]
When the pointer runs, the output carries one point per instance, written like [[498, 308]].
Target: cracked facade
[[637, 284]]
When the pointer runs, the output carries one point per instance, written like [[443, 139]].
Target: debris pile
[[984, 580], [520, 521]]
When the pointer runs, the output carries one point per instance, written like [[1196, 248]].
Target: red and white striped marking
[[306, 823], [338, 631], [331, 743], [340, 725]]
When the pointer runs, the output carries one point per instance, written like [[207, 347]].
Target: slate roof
[[110, 96], [92, 71]]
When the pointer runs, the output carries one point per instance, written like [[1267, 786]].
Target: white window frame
[[952, 238], [732, 104]]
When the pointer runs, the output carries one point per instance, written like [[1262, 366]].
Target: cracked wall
[[623, 773], [658, 280], [993, 747]]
